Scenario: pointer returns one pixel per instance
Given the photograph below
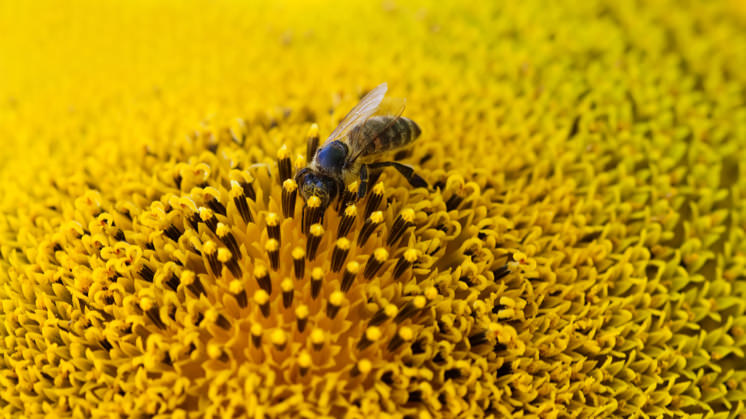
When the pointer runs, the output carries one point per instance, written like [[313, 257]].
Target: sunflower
[[579, 250]]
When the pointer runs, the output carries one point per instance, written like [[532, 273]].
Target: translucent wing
[[366, 135], [367, 107]]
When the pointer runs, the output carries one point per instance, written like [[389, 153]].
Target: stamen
[[287, 292], [348, 196], [299, 163], [339, 254], [239, 200], [226, 257], [405, 334], [348, 219], [256, 335], [273, 226], [401, 224], [248, 189], [317, 275], [411, 308], [313, 141], [317, 339], [383, 314], [370, 224], [301, 314], [193, 283], [374, 263], [349, 276], [314, 239], [374, 199], [372, 334], [304, 362], [273, 251], [333, 305], [363, 367], [289, 194], [173, 282], [311, 213], [404, 262], [261, 298], [227, 237], [239, 292], [279, 338], [262, 278], [208, 217], [210, 249], [216, 206], [283, 163], [299, 262]]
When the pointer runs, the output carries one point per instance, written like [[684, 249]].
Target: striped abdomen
[[383, 133]]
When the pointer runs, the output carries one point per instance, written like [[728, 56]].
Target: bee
[[354, 149]]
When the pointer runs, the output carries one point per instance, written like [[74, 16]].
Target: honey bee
[[353, 150]]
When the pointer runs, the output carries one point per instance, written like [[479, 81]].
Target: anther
[[314, 239], [239, 200], [301, 317], [317, 339], [289, 194], [405, 334], [299, 262], [287, 292], [313, 141], [210, 249], [239, 292], [401, 224], [370, 224], [311, 213], [411, 308], [208, 217], [372, 334], [374, 199], [334, 303], [273, 226], [339, 254], [216, 206], [348, 219], [256, 334], [192, 282], [383, 314], [279, 339], [284, 165], [404, 262], [374, 263], [363, 367], [317, 275], [224, 232], [349, 276], [304, 362], [273, 251], [226, 257], [262, 278], [261, 298], [348, 196]]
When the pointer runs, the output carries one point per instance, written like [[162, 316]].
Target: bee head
[[322, 186]]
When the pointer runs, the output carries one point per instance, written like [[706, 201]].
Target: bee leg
[[407, 171], [363, 188]]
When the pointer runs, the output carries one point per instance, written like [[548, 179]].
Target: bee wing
[[361, 142], [361, 112]]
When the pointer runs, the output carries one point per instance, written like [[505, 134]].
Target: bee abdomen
[[393, 135]]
